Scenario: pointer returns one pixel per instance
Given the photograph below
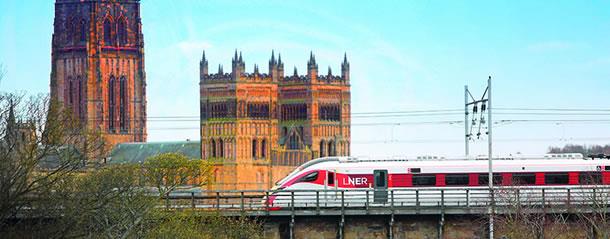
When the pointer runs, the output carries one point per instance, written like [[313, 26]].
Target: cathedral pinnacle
[[312, 60], [272, 58]]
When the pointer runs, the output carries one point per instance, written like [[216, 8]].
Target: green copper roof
[[138, 152]]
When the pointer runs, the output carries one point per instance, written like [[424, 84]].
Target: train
[[356, 177]]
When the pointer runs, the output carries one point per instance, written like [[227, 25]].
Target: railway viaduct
[[410, 213]]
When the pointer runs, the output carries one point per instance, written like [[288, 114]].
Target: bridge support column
[[291, 226], [441, 225], [341, 226], [391, 227]]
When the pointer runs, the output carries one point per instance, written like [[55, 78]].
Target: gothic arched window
[[221, 148], [79, 98], [82, 31], [74, 30], [322, 146], [111, 103], [122, 32], [71, 92], [123, 104], [213, 148], [108, 33], [254, 144], [331, 151], [263, 148]]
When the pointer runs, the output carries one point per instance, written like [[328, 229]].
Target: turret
[[345, 69], [273, 71], [312, 68], [203, 67], [238, 66], [280, 66]]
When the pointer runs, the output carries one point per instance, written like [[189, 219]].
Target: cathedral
[[97, 62], [257, 127]]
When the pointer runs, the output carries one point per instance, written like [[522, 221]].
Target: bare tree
[[522, 214], [593, 210], [40, 144]]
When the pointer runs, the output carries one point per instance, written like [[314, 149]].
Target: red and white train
[[352, 174]]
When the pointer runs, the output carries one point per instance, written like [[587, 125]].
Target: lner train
[[321, 181]]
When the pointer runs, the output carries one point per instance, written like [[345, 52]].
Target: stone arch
[[70, 91], [108, 32], [254, 145], [82, 31], [221, 148], [322, 147], [263, 148], [122, 31], [212, 148], [331, 148]]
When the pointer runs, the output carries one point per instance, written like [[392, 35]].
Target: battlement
[[275, 73]]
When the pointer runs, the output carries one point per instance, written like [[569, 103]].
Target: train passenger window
[[331, 178], [524, 178], [590, 178], [607, 168], [456, 179], [484, 179], [309, 177], [415, 170], [556, 178], [424, 180]]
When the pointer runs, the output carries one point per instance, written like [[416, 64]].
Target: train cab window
[[424, 180], [607, 168], [524, 178], [309, 177], [484, 179], [456, 179], [590, 178], [331, 178], [556, 178]]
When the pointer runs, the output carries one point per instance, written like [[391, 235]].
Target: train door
[[330, 184], [380, 193]]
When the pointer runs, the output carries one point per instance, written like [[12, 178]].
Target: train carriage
[[348, 181]]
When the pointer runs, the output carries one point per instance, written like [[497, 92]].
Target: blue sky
[[405, 55]]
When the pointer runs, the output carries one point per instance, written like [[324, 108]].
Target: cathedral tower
[[97, 63], [257, 127]]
